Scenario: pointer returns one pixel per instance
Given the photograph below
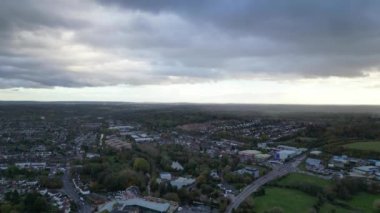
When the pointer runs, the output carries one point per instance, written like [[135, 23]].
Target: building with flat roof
[[165, 176], [262, 157], [249, 152], [312, 162], [283, 155], [246, 155], [316, 152], [365, 170], [182, 182], [139, 205]]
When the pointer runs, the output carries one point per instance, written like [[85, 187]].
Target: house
[[214, 174], [177, 166], [255, 172], [181, 182], [92, 155], [262, 145], [165, 176]]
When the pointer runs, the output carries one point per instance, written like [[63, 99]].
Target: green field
[[298, 178], [328, 208], [289, 200], [365, 146], [364, 202]]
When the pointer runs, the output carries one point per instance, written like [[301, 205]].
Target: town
[[127, 158]]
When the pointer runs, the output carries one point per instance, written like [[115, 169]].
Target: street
[[69, 189], [255, 185]]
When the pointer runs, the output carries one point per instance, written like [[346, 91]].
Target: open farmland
[[365, 146]]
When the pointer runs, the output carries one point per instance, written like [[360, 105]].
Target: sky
[[198, 51]]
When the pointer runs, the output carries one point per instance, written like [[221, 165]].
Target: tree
[[51, 183], [140, 164], [172, 196], [6, 207], [376, 206]]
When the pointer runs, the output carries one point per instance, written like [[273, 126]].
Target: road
[[255, 185], [69, 189]]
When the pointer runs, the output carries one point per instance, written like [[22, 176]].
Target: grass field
[[364, 202], [289, 200], [366, 146], [328, 208], [298, 178]]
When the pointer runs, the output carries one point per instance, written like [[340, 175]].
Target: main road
[[255, 185], [69, 189]]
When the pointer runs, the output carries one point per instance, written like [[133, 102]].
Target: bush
[[140, 164], [172, 196]]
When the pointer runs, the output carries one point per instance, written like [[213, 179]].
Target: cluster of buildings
[[343, 165], [117, 143], [178, 182], [134, 132], [280, 153], [250, 170], [356, 167], [80, 187], [61, 201], [257, 129]]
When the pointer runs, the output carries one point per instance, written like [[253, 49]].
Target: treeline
[[29, 202], [342, 189], [346, 127]]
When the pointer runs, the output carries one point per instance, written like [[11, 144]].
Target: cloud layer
[[139, 42]]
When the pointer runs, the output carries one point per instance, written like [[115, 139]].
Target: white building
[[315, 153], [31, 165], [165, 176], [181, 182], [177, 166], [283, 155]]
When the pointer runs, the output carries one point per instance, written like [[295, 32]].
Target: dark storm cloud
[[108, 42]]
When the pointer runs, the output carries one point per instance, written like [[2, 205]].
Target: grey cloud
[[313, 38], [179, 40]]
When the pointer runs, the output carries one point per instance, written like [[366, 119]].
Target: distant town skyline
[[199, 51]]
